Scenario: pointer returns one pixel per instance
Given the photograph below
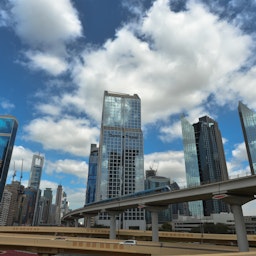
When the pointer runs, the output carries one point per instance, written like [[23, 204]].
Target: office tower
[[58, 203], [210, 158], [248, 123], [191, 164], [5, 207], [121, 160], [16, 190], [92, 175], [8, 130], [36, 171]]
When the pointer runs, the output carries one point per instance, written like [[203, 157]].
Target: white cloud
[[238, 164], [51, 64], [68, 166], [46, 22], [21, 159], [47, 27], [169, 164], [181, 60], [76, 197], [4, 18], [70, 135], [177, 61], [6, 104]]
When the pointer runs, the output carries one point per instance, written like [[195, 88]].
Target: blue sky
[[58, 57]]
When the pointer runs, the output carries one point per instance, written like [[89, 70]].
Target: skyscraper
[[248, 123], [191, 164], [210, 158], [58, 203], [92, 174], [121, 160], [8, 130], [36, 171]]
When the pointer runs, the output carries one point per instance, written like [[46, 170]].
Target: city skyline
[[178, 56]]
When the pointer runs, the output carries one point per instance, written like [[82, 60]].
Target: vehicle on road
[[129, 242]]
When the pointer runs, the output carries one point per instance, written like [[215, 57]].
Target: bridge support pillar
[[236, 203], [87, 220], [113, 214], [154, 210], [76, 222]]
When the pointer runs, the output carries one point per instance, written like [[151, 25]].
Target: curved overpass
[[236, 192], [244, 187]]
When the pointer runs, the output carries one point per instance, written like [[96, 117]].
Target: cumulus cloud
[[173, 60], [70, 135], [47, 27], [51, 64], [238, 164], [169, 164], [68, 166], [6, 105], [46, 22], [177, 61], [21, 159]]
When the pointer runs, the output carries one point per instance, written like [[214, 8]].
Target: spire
[[14, 171]]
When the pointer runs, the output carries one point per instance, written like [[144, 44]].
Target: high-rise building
[[36, 171], [8, 130], [210, 158], [92, 175], [191, 164], [248, 123], [58, 203], [121, 158]]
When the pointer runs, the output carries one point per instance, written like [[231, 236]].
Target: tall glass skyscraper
[[36, 172], [191, 164], [210, 158], [8, 130], [92, 175], [121, 156], [248, 123]]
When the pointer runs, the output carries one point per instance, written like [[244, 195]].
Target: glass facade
[[248, 123], [8, 130], [191, 164], [92, 175], [206, 146], [121, 156], [36, 171]]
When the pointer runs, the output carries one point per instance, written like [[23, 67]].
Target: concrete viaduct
[[235, 192]]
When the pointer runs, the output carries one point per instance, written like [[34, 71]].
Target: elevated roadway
[[236, 192], [51, 245], [145, 235]]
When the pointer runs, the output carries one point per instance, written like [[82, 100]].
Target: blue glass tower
[[8, 130], [36, 172], [191, 164], [121, 155], [248, 123], [92, 175], [211, 161]]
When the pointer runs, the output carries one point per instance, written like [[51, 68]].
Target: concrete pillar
[[236, 203], [241, 234], [87, 221], [154, 220], [112, 233], [76, 222]]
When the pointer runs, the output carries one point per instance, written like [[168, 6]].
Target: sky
[[181, 57]]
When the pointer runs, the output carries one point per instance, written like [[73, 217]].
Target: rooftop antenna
[[21, 171], [14, 171]]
